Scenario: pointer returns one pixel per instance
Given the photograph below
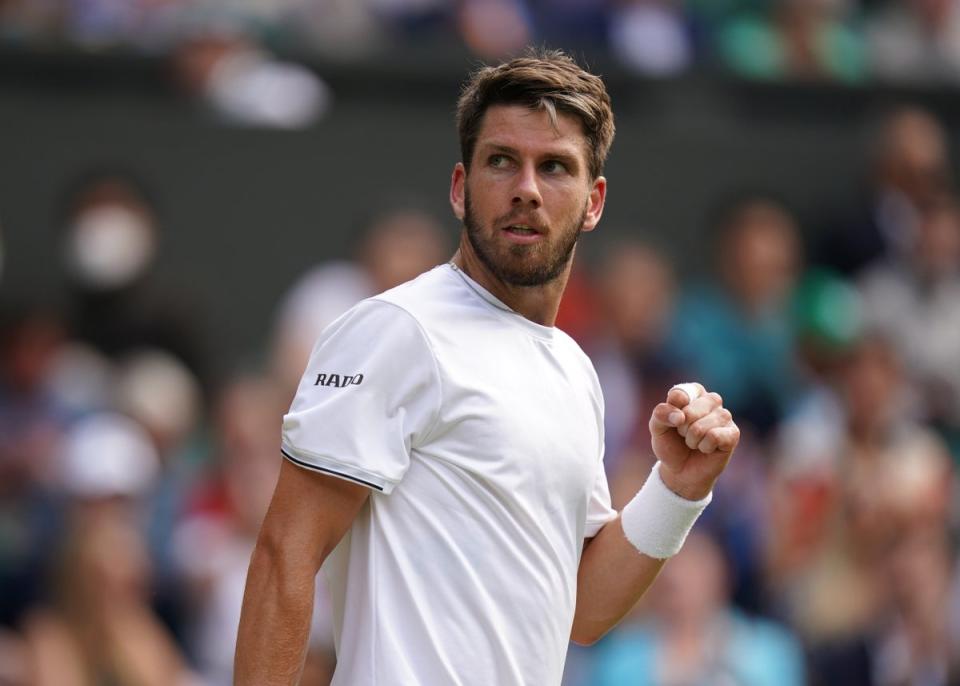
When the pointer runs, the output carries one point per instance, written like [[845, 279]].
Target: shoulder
[[439, 301], [576, 353], [581, 364], [418, 296]]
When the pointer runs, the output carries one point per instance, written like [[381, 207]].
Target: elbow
[[584, 641], [585, 635], [276, 560]]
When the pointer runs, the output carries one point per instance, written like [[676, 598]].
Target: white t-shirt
[[481, 435]]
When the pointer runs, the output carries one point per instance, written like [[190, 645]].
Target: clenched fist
[[693, 435]]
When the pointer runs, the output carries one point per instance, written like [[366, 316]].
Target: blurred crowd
[[842, 40], [134, 472]]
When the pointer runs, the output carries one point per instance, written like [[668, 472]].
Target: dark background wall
[[246, 211]]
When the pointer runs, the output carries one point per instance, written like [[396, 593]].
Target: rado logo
[[338, 380]]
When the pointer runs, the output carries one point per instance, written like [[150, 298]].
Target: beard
[[529, 265]]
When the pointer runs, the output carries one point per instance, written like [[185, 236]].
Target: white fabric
[[107, 455], [481, 435], [691, 389], [657, 520]]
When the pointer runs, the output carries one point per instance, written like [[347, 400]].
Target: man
[[444, 448]]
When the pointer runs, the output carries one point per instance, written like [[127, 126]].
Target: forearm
[[274, 621], [612, 577], [621, 562]]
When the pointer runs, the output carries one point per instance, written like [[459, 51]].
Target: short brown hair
[[541, 79]]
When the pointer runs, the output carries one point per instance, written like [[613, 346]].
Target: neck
[[539, 304]]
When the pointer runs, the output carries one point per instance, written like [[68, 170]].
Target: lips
[[522, 233]]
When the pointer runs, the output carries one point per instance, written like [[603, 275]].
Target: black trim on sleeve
[[323, 470]]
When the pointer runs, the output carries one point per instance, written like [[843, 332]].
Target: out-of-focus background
[[190, 190]]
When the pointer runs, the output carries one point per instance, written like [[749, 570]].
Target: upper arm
[[369, 396], [309, 514]]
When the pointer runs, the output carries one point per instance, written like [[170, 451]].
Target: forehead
[[530, 131]]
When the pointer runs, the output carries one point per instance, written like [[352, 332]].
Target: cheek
[[482, 203]]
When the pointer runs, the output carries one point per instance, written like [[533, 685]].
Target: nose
[[527, 190]]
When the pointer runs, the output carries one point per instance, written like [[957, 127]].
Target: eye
[[554, 167], [499, 161]]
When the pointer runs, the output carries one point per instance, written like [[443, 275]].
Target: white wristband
[[657, 520]]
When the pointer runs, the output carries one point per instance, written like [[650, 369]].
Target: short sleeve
[[599, 509], [370, 393]]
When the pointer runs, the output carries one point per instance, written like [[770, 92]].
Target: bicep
[[309, 514]]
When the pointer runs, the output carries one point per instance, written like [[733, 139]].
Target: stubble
[[536, 264]]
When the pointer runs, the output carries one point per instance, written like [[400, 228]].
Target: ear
[[457, 195], [598, 196]]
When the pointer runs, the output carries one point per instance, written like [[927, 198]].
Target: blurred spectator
[[494, 29], [915, 302], [651, 36], [768, 39], [910, 169], [413, 18], [579, 314], [163, 397], [915, 40], [214, 541], [693, 636], [158, 391], [736, 334], [636, 290], [828, 320], [810, 39], [573, 24], [31, 418], [111, 240], [97, 626], [915, 641], [398, 245], [243, 85], [844, 491], [32, 425], [341, 29], [106, 456]]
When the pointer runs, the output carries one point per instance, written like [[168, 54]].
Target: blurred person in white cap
[[106, 456], [443, 454], [158, 391], [97, 625]]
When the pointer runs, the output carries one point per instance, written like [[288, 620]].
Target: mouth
[[522, 233]]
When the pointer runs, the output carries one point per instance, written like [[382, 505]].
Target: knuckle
[[725, 415], [715, 397]]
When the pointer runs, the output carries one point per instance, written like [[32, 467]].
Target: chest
[[520, 418]]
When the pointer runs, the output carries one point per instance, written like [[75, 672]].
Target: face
[[528, 194], [762, 255]]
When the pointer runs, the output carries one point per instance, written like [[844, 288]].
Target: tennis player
[[443, 454]]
